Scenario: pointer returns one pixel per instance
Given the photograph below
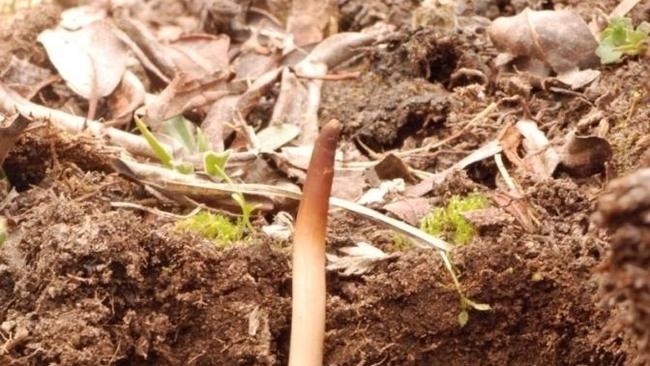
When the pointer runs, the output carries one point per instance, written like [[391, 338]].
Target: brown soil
[[85, 283]]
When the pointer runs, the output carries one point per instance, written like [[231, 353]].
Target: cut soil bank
[[89, 284], [85, 283]]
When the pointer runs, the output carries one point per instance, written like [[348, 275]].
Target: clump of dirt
[[624, 209], [403, 91], [356, 15]]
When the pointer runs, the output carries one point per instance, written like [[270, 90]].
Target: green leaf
[[463, 318], [620, 39], [162, 154], [183, 167], [215, 164], [180, 129], [202, 142], [608, 53]]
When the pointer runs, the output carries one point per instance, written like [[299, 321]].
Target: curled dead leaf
[[199, 55], [125, 99], [582, 156], [185, 93], [560, 38], [81, 58], [391, 167]]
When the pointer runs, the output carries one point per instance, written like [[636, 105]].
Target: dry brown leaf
[[409, 210], [125, 99], [510, 140], [26, 78], [91, 60], [309, 18], [291, 101], [185, 93], [142, 40], [348, 184], [577, 79], [391, 167], [258, 89], [582, 156], [10, 133], [218, 117], [252, 65], [560, 38], [222, 113], [377, 195], [199, 55]]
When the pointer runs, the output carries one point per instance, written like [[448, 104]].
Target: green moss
[[401, 243], [218, 228], [448, 222]]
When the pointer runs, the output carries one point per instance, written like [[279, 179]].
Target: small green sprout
[[449, 222], [214, 164], [163, 155], [218, 228], [3, 230], [466, 305], [620, 38]]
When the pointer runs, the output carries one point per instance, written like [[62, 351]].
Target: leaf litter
[[426, 117]]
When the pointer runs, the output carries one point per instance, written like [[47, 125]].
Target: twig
[[331, 77], [623, 8], [479, 117], [11, 102], [155, 211], [504, 173]]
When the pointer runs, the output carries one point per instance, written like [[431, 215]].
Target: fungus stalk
[[308, 299]]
